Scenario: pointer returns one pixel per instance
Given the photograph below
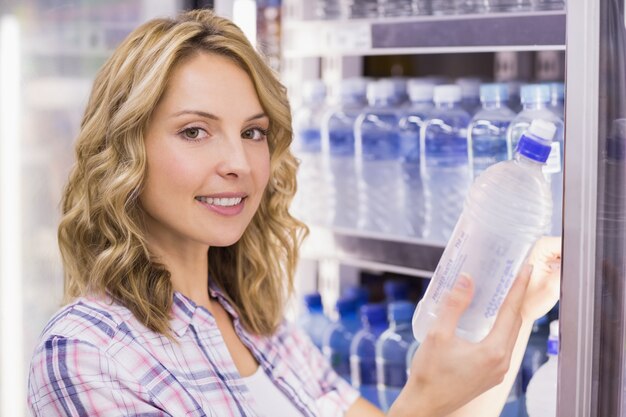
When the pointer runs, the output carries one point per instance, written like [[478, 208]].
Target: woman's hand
[[543, 289], [448, 371]]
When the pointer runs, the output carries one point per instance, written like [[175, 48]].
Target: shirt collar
[[184, 308]]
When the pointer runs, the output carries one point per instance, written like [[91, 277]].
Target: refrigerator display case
[[50, 52]]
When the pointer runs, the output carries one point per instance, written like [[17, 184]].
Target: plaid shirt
[[96, 359]]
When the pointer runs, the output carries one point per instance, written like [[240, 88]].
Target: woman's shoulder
[[92, 320]]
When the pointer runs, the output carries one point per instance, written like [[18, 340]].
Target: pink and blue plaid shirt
[[96, 359]]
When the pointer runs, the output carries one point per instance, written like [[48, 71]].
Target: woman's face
[[208, 156]]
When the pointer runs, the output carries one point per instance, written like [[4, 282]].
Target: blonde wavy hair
[[101, 237]]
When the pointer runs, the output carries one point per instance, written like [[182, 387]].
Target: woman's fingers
[[509, 320], [455, 303]]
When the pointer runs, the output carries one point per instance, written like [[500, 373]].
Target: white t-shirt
[[270, 400]]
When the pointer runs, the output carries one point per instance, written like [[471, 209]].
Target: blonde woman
[[179, 254]]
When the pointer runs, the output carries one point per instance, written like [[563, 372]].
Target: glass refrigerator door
[[593, 309], [50, 51]]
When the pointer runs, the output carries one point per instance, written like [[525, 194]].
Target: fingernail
[[463, 282]]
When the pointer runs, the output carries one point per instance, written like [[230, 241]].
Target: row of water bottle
[[397, 157], [370, 9], [371, 346]]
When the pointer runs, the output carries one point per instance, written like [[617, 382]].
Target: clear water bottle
[[557, 98], [410, 354], [549, 5], [328, 9], [363, 352], [410, 126], [536, 352], [443, 7], [515, 102], [311, 199], [536, 99], [507, 209], [313, 321], [397, 8], [444, 162], [339, 335], [511, 5], [378, 161], [360, 9], [400, 93], [391, 351], [470, 94], [486, 134], [339, 170], [541, 395]]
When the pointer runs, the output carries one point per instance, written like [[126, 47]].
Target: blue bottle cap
[[313, 301], [373, 314], [535, 93], [535, 142], [346, 305], [400, 311], [361, 295], [395, 290], [494, 92]]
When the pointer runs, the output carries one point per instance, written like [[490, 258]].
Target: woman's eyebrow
[[214, 117]]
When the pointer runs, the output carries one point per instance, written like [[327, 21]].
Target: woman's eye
[[192, 133], [254, 134]]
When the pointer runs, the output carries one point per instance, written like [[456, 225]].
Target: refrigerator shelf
[[535, 31], [410, 256]]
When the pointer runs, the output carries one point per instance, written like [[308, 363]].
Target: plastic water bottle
[[549, 4], [363, 352], [470, 94], [443, 7], [361, 9], [507, 209], [328, 9], [410, 126], [391, 350], [536, 352], [410, 354], [396, 291], [379, 163], [557, 98], [444, 162], [338, 336], [313, 321], [541, 394], [511, 5], [515, 103], [310, 201], [400, 93], [338, 153], [486, 134], [536, 99]]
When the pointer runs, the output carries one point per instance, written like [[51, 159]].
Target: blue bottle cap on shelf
[[346, 305], [494, 92], [553, 340], [535, 142], [396, 290], [361, 295], [535, 93], [313, 301], [400, 311], [373, 314]]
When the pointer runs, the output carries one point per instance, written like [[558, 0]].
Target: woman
[[179, 254]]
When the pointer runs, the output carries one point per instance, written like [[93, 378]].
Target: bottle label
[[553, 164], [491, 257]]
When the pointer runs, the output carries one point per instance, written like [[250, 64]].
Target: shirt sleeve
[[336, 394], [73, 378]]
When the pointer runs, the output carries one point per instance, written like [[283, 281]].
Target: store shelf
[[373, 251], [426, 34]]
